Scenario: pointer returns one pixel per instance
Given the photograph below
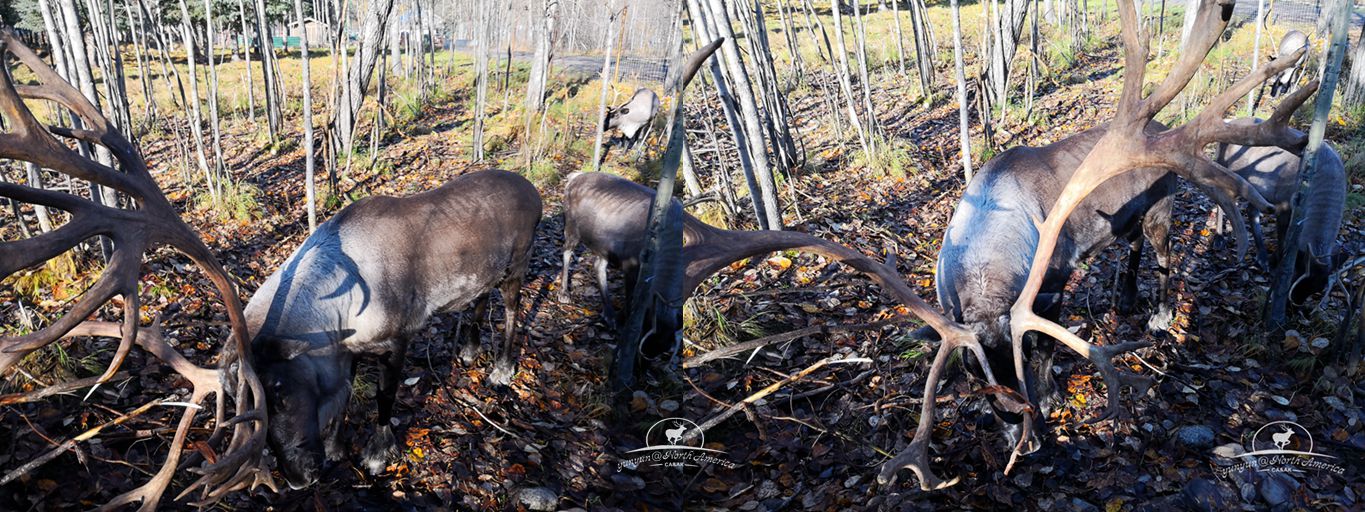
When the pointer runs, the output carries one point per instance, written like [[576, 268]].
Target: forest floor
[[816, 444]]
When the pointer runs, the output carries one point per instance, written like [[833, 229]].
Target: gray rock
[[1277, 489], [1196, 437], [1202, 494], [538, 499]]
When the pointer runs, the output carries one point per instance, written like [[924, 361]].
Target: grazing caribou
[[363, 284], [634, 117], [993, 234], [608, 215], [1274, 172]]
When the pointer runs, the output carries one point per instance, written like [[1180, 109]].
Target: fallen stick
[[56, 389], [739, 348], [716, 419]]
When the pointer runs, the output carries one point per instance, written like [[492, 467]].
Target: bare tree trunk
[[597, 155], [900, 36], [139, 38], [345, 116], [1009, 25], [1191, 8], [870, 112], [35, 180], [702, 25], [789, 30], [246, 51], [481, 76], [753, 128], [924, 45], [1256, 56], [845, 82], [219, 166], [308, 173], [540, 65], [195, 121], [1354, 95], [266, 45], [964, 135], [827, 54]]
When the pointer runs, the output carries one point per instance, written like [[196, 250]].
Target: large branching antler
[[708, 249], [1128, 145], [134, 232]]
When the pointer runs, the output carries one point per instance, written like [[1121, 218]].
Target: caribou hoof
[[469, 353], [1161, 320], [502, 374], [381, 449]]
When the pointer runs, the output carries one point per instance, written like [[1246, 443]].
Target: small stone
[[538, 498], [1335, 403], [1202, 495], [668, 405], [1229, 450], [1277, 488], [1319, 343], [1195, 436], [767, 489]]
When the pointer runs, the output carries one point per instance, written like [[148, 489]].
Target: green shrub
[[236, 201]]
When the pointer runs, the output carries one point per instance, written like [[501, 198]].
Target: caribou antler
[[1128, 146], [134, 232], [708, 249]]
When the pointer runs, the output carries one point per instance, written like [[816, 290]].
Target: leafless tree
[[605, 77], [963, 133]]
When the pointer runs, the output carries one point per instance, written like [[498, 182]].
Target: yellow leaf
[[781, 262]]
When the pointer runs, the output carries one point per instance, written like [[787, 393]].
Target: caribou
[[984, 258], [608, 215], [1274, 172], [634, 118], [363, 284], [1128, 144]]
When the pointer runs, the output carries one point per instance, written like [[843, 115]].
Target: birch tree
[[358, 76], [964, 135], [753, 128]]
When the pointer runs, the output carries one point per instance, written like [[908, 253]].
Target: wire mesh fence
[[644, 36]]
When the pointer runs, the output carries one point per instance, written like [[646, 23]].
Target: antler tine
[[1275, 131], [1134, 66], [31, 141], [712, 249], [134, 232], [1200, 42]]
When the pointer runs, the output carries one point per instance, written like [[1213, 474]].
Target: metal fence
[[645, 34]]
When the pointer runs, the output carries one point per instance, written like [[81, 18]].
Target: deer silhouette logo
[[675, 434], [1282, 439]]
